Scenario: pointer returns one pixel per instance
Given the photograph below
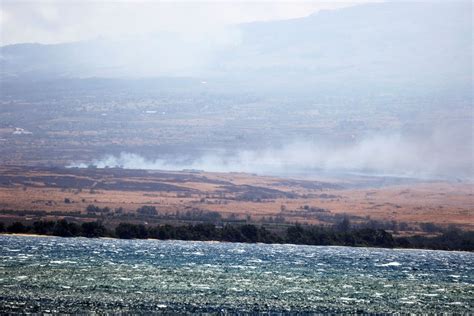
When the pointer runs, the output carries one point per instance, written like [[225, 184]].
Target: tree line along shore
[[341, 235]]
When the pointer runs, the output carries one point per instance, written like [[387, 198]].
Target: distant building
[[21, 131]]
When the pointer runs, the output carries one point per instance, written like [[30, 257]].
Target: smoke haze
[[377, 87], [438, 155]]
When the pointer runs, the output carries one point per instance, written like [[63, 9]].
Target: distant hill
[[387, 45]]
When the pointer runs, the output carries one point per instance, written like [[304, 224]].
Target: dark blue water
[[103, 275]]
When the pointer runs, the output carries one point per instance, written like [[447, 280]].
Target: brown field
[[233, 195]]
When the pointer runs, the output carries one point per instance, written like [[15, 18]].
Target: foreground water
[[106, 275]]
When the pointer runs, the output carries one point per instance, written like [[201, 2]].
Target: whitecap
[[390, 264], [125, 279], [347, 299], [61, 261]]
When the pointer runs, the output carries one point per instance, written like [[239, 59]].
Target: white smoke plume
[[380, 155]]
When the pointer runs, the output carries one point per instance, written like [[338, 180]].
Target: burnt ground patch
[[141, 186], [72, 182], [119, 173], [107, 178], [256, 193]]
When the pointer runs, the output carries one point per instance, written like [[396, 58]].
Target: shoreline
[[26, 235], [231, 242]]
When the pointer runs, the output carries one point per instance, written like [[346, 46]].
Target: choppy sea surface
[[106, 275]]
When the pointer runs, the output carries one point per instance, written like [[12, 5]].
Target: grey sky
[[56, 21]]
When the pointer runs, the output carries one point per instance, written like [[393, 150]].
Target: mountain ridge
[[360, 45]]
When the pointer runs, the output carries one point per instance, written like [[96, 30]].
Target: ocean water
[[49, 274]]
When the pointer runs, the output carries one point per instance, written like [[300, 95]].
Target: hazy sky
[[56, 21]]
